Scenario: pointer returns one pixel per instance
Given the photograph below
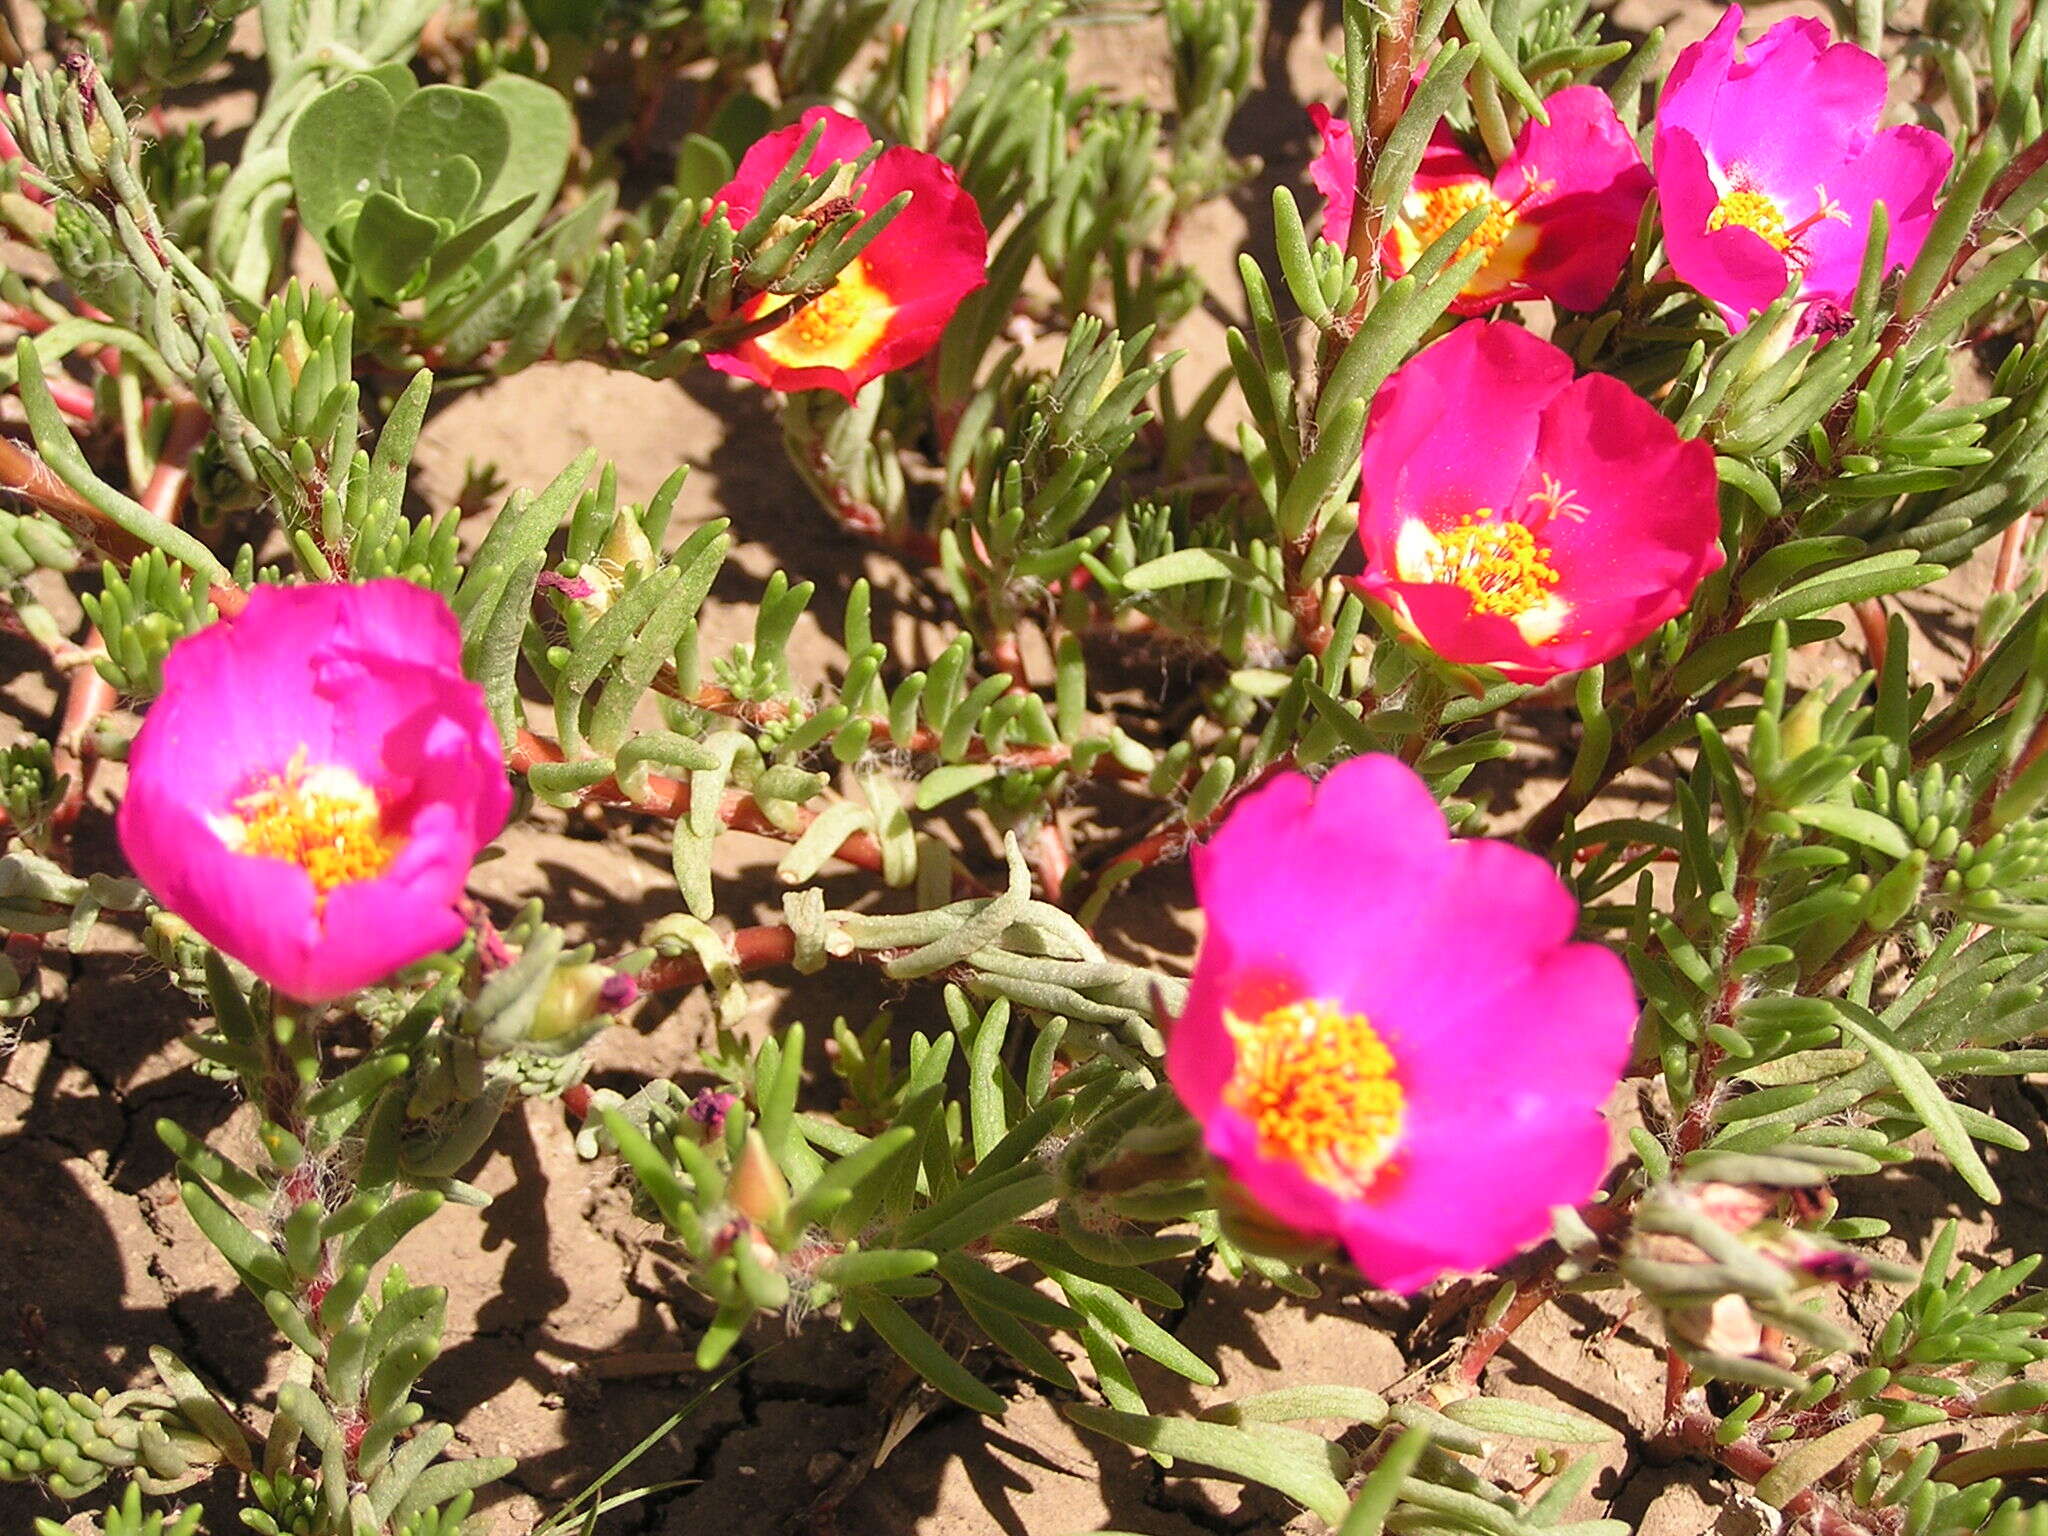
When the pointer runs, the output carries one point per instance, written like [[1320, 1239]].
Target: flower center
[[1752, 211], [1498, 562], [1744, 207], [1431, 213], [1318, 1085], [326, 820], [836, 329]]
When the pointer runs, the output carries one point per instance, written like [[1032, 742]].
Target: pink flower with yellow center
[[1391, 1041], [1514, 517], [1561, 212], [311, 787], [1769, 159], [888, 307]]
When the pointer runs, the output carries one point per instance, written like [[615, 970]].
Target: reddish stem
[[2005, 576], [1693, 1432], [89, 697], [670, 798], [764, 947], [2037, 742], [1677, 1377], [73, 398], [1605, 1219], [1051, 857], [1393, 70]]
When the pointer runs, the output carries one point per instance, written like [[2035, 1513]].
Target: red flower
[[1562, 211], [1517, 518], [889, 306]]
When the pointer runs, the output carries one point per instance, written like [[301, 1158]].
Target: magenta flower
[[314, 782], [1518, 519], [1768, 161], [1562, 211], [890, 305], [1391, 1040]]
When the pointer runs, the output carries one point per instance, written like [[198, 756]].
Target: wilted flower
[[708, 1109], [313, 784], [1391, 1040], [887, 308], [1561, 211], [1516, 518], [1768, 160]]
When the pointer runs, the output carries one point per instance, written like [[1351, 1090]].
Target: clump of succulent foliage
[[1832, 900]]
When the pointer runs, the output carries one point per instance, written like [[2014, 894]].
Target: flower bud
[[626, 550], [758, 1190], [1727, 1327], [1801, 730], [1733, 1207], [579, 1000]]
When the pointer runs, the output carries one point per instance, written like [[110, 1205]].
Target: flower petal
[[1582, 183], [1735, 267]]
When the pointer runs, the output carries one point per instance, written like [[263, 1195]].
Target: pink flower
[[1390, 1039], [885, 310], [1518, 519], [1562, 210], [1768, 160], [314, 782]]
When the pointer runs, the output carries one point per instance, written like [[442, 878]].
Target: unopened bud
[[1732, 1207], [1727, 1327], [578, 999], [626, 550], [758, 1191], [293, 351], [1801, 730]]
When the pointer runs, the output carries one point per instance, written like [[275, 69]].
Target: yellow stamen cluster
[[325, 820], [1431, 213], [836, 329], [1318, 1085], [1752, 211], [1500, 563]]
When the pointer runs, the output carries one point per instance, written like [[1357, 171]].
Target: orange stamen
[[1429, 214], [1319, 1086], [326, 820]]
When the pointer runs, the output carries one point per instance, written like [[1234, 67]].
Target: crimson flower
[[887, 308], [1561, 211], [1514, 517]]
